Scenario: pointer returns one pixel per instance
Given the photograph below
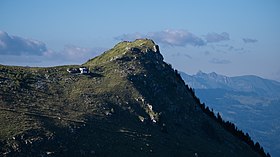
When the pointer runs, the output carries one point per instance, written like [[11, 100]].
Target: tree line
[[229, 126]]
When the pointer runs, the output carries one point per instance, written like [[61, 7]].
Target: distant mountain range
[[251, 102]]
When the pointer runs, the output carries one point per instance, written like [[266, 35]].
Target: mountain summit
[[125, 102]]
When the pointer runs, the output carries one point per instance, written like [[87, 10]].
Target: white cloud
[[220, 61], [178, 54], [72, 51], [216, 37], [174, 37], [167, 37], [131, 37], [69, 55], [177, 38], [15, 45], [248, 40], [74, 54], [232, 48], [16, 50]]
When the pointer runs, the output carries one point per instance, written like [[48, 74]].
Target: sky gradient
[[228, 37]]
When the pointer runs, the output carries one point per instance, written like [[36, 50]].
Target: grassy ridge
[[131, 104]]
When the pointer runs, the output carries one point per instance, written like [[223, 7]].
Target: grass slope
[[132, 104]]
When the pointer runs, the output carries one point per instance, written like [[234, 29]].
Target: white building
[[84, 70]]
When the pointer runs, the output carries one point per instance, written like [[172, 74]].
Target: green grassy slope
[[131, 104]]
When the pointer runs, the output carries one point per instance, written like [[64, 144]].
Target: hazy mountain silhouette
[[251, 102]]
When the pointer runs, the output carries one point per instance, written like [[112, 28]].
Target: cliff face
[[131, 103]]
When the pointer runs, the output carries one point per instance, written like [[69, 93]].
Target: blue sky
[[228, 37]]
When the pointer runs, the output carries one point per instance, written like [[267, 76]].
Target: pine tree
[[220, 120]]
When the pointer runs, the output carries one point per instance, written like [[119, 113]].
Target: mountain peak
[[213, 74], [127, 49], [131, 103], [200, 73]]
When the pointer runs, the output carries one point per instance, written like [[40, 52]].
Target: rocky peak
[[140, 48], [143, 47]]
